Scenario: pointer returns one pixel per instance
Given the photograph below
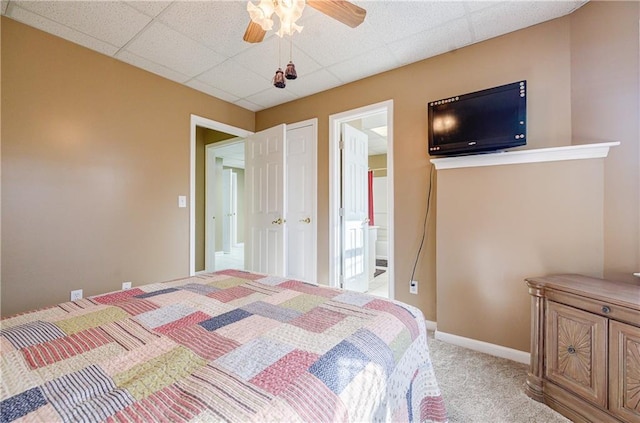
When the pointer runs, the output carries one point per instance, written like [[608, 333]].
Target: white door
[[264, 194], [300, 209], [210, 214], [226, 210], [355, 205]]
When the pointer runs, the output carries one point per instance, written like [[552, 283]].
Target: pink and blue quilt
[[228, 346]]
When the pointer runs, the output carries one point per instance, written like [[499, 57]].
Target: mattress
[[226, 346]]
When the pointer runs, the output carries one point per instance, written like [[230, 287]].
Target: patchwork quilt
[[228, 346]]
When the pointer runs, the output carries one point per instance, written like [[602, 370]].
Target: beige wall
[[579, 217], [94, 155], [498, 225], [605, 87]]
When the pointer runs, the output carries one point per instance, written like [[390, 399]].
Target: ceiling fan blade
[[343, 11], [254, 33]]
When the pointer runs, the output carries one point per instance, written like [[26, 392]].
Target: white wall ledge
[[553, 154]]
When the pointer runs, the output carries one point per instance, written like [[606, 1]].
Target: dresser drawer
[[610, 311]]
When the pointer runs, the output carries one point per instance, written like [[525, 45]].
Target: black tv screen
[[483, 121]]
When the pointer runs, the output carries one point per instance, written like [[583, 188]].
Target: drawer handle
[[606, 309], [571, 349]]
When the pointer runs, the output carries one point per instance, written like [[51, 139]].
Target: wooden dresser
[[585, 347]]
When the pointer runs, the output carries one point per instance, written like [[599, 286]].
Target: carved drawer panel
[[575, 351], [624, 358]]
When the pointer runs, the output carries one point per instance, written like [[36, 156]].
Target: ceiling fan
[[290, 10]]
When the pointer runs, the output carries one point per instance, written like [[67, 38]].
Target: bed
[[224, 346]]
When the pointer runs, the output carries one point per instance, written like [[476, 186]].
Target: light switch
[[182, 201]]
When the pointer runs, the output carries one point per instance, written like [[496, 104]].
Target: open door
[[264, 194], [355, 219]]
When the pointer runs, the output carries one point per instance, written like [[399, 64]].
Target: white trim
[[216, 126], [431, 325], [485, 347], [334, 193], [570, 152]]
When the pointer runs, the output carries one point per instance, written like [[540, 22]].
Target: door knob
[[307, 220], [278, 221]]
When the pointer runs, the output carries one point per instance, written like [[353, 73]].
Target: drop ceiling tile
[[161, 44], [141, 62], [213, 91], [232, 77], [451, 36], [307, 84], [245, 104], [400, 19], [184, 40], [150, 8], [367, 64], [27, 17], [265, 58], [329, 42], [510, 16], [474, 6], [271, 97], [219, 25], [110, 21]]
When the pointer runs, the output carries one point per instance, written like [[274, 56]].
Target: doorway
[[281, 198], [376, 122], [301, 152], [197, 220]]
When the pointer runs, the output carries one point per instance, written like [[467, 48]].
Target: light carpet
[[481, 388]]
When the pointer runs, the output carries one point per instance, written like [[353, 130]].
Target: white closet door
[[300, 209]]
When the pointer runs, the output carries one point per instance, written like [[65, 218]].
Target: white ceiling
[[199, 43]]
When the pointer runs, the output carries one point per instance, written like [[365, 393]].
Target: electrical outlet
[[126, 285], [413, 287], [76, 295]]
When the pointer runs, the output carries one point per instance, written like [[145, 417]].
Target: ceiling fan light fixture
[[290, 71], [261, 14], [289, 11], [278, 79]]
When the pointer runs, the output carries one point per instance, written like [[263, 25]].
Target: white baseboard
[[485, 347], [431, 325]]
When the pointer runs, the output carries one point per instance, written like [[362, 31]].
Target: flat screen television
[[483, 121]]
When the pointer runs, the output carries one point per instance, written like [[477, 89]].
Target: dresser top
[[621, 293]]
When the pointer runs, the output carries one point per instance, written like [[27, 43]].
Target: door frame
[[216, 126], [335, 123]]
